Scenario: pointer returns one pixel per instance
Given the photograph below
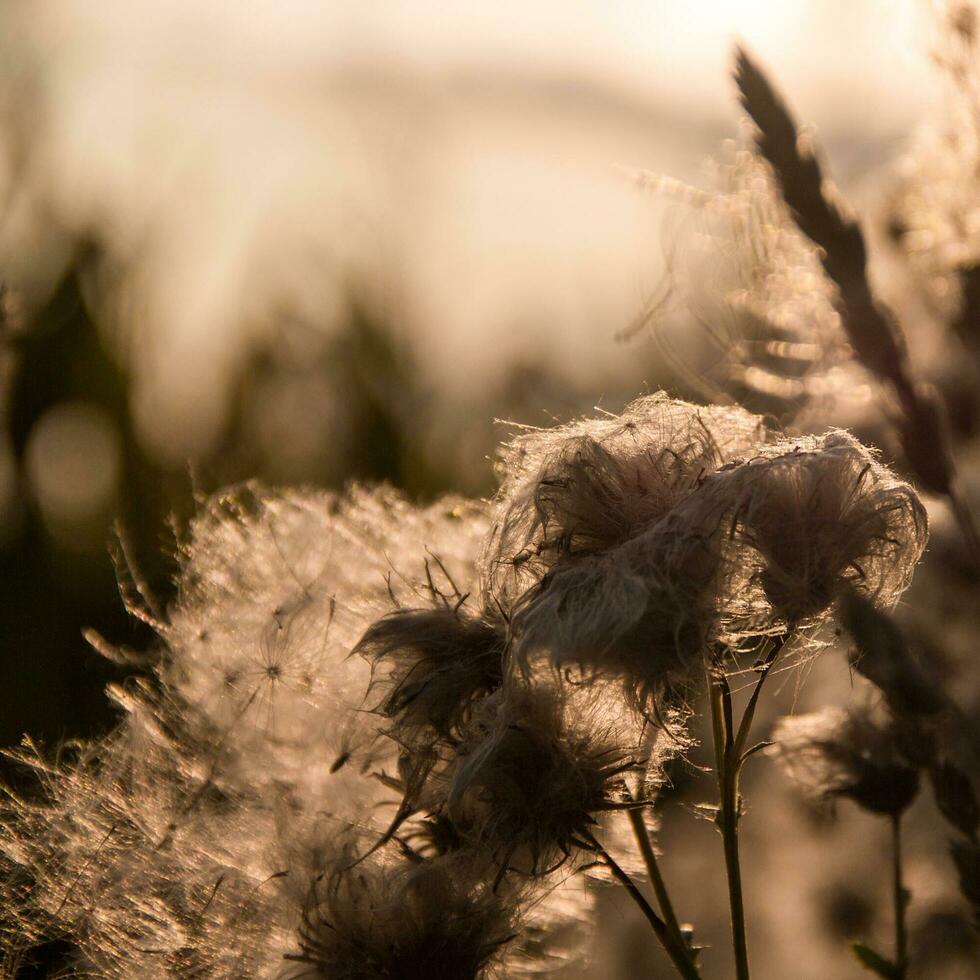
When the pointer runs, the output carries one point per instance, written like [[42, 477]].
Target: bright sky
[[460, 156]]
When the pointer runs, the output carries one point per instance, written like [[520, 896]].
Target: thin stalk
[[748, 715], [730, 754], [678, 956], [717, 724], [653, 873], [898, 889], [729, 833], [727, 772]]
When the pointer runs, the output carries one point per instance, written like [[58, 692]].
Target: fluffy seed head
[[820, 516], [578, 490], [435, 663], [760, 544], [164, 849], [835, 754], [407, 921], [530, 779], [644, 611]]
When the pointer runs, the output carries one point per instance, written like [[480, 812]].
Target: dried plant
[[433, 918], [309, 684], [379, 739], [836, 754], [933, 215], [582, 489]]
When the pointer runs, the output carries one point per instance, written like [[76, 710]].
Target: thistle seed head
[[436, 918], [820, 516], [431, 665], [644, 612], [579, 490], [531, 779], [833, 754]]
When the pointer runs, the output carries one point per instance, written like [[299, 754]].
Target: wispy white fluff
[[181, 844]]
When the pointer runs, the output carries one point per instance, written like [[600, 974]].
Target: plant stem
[[729, 833], [653, 873], [901, 951], [678, 954], [727, 772], [745, 725], [730, 754]]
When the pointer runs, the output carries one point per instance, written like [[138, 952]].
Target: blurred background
[[311, 242]]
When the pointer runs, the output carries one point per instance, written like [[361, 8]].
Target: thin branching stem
[[727, 772], [653, 873], [730, 754], [745, 726], [678, 955]]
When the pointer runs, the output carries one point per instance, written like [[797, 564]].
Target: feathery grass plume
[[823, 217], [753, 287], [579, 490], [821, 516], [820, 215], [871, 328], [834, 754], [431, 919], [536, 769]]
